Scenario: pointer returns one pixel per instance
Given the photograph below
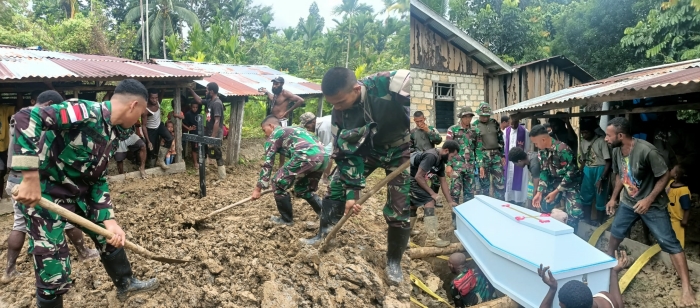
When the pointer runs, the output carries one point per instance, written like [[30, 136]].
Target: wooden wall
[[433, 52], [529, 82]]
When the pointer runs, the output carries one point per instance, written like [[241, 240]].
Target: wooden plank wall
[[529, 82], [431, 51]]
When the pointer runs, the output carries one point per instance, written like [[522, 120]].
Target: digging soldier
[[489, 152], [461, 167], [422, 194], [19, 229], [303, 169], [371, 130], [559, 176], [71, 170]]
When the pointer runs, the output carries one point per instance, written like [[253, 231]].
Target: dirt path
[[241, 259]]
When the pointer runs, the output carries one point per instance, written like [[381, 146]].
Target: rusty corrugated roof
[[674, 77], [18, 64], [243, 80]]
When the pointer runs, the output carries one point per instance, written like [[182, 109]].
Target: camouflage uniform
[[463, 164], [78, 142], [304, 167], [490, 159], [369, 136], [559, 171]]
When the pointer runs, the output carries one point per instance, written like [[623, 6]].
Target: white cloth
[[323, 130], [603, 296], [514, 195], [153, 121], [124, 145]]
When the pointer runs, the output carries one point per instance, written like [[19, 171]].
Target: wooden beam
[[451, 37], [177, 108], [653, 109], [321, 101], [472, 53], [235, 130]]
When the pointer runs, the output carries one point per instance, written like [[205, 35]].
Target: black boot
[[56, 302], [118, 268], [284, 206], [315, 202], [397, 240], [331, 212]]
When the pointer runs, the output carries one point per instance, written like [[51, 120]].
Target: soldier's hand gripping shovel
[[75, 219], [362, 200]]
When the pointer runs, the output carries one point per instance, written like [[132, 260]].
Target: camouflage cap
[[306, 118], [465, 111], [484, 109]]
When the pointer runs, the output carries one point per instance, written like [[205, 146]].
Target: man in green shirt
[[70, 169], [641, 171], [425, 137]]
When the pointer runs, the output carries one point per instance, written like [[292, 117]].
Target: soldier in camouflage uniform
[[371, 130], [70, 171], [460, 169], [489, 152], [303, 168], [559, 176]]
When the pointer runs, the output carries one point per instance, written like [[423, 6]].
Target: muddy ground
[[655, 286], [240, 259]]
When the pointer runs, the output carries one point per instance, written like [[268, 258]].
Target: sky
[[287, 13]]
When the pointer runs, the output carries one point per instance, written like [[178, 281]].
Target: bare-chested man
[[280, 100]]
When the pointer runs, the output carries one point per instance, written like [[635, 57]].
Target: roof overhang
[[492, 63]]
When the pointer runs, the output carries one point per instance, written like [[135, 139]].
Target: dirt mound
[[241, 259]]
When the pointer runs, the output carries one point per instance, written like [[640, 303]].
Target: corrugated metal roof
[[663, 76], [243, 80], [445, 28], [18, 64]]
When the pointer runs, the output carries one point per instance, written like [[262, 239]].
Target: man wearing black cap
[[280, 101]]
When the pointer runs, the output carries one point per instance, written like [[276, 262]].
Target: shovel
[[75, 219], [199, 220], [362, 200]]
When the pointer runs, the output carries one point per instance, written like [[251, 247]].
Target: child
[[679, 202], [170, 156], [576, 294]]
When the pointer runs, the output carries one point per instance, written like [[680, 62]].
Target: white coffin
[[509, 242]]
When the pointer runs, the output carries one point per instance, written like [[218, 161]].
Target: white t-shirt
[[323, 130]]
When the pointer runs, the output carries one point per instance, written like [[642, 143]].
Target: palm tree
[[70, 6], [160, 15], [349, 9], [400, 6]]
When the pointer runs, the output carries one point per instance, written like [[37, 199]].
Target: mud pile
[[240, 259]]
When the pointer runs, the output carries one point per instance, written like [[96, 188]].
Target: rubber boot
[[397, 241], [119, 269], [431, 227], [413, 226], [222, 172], [315, 202], [161, 158], [56, 302], [284, 206], [331, 212]]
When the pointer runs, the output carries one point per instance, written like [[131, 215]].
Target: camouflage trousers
[[493, 171], [303, 174], [462, 183], [357, 168], [571, 201], [48, 246]]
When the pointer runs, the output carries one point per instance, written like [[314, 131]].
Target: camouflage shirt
[[466, 138], [295, 143], [558, 169], [380, 116], [78, 142], [480, 138], [421, 140]]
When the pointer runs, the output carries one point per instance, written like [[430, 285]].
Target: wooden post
[[178, 126], [321, 100], [235, 130]]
